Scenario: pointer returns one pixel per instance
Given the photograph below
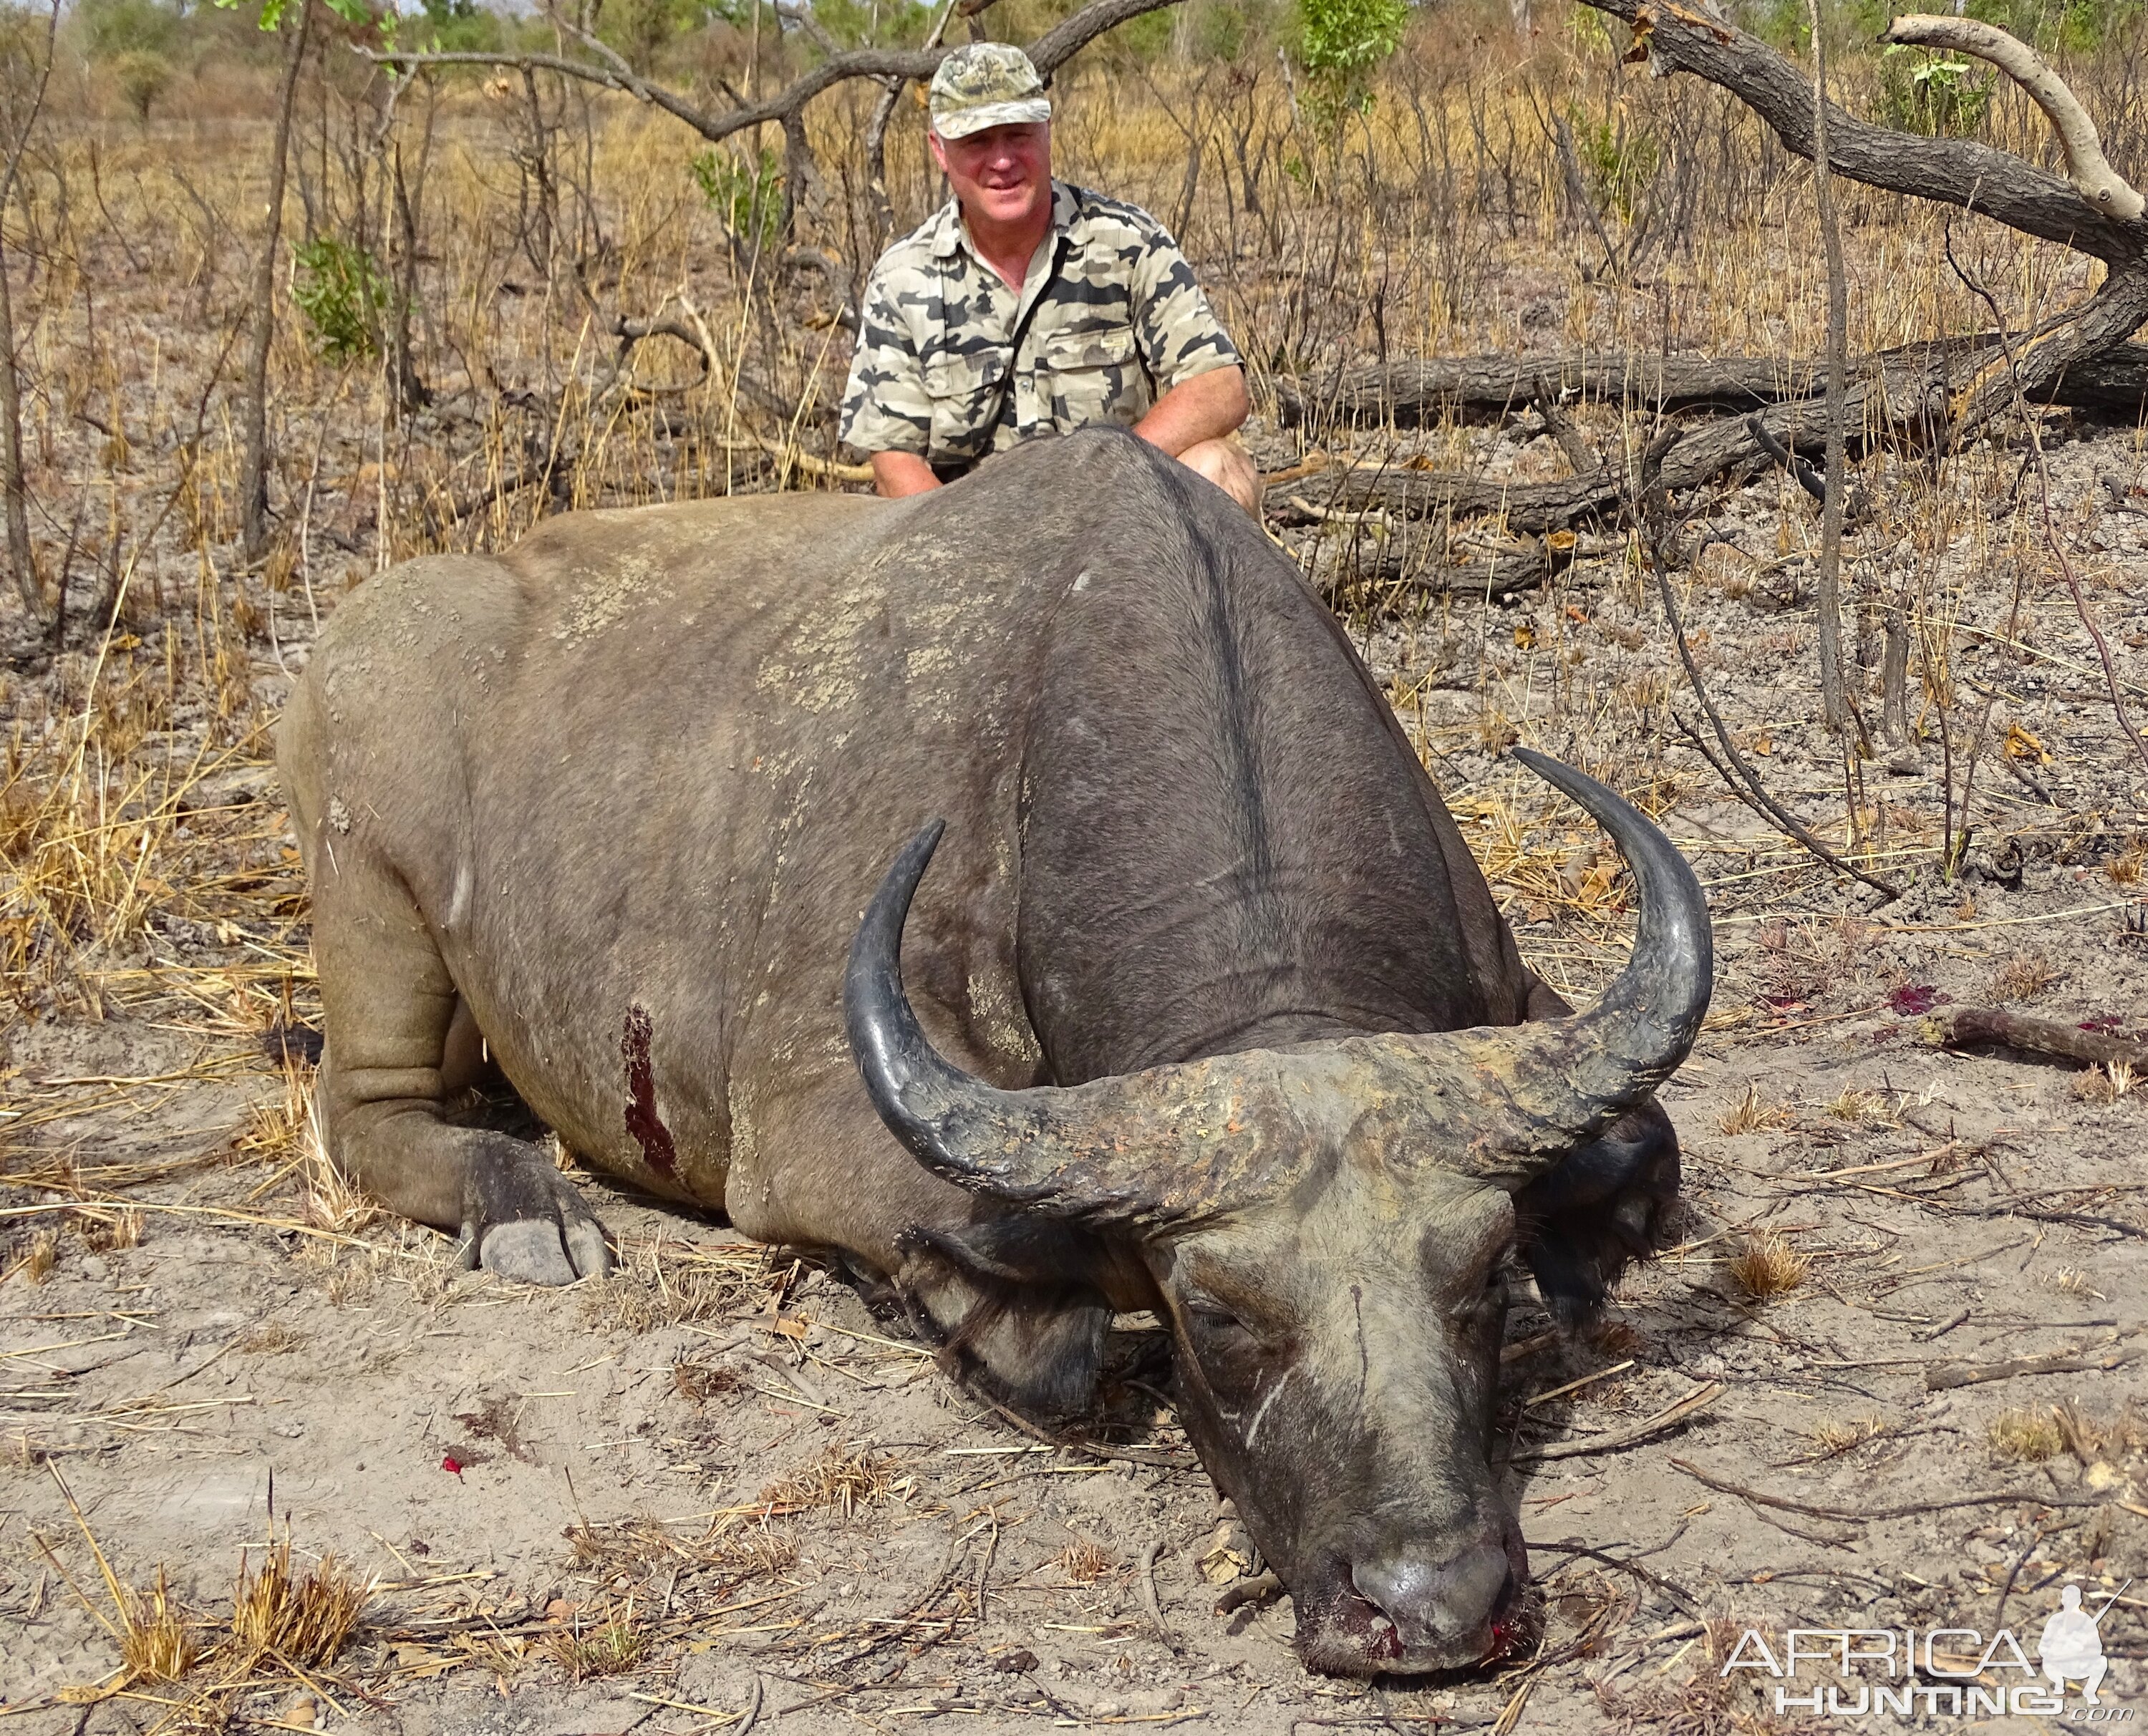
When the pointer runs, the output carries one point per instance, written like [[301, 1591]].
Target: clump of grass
[[697, 1381], [1754, 1113], [842, 1480], [617, 1645], [1767, 1266], [303, 1619], [2027, 1435], [272, 1338], [1084, 1560], [2022, 977], [36, 1264], [157, 1643], [1864, 1109], [2106, 1084], [1838, 1435]]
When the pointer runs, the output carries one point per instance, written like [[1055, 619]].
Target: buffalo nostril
[[1434, 1602]]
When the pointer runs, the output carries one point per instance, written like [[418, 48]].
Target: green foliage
[[459, 27], [110, 28], [1940, 96], [340, 290], [1617, 164], [351, 11], [1341, 44], [142, 74], [746, 198]]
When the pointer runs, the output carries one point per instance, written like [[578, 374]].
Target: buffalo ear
[[1603, 1207], [1014, 1306]]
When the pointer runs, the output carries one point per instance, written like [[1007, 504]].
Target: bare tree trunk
[[253, 406], [1835, 700], [22, 559]]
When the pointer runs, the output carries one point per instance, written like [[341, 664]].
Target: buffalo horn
[[1017, 1146], [1571, 1078]]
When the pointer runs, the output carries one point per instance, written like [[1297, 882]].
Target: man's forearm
[[897, 473], [1205, 408]]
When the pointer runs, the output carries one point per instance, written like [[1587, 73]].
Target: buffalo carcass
[[1214, 1014]]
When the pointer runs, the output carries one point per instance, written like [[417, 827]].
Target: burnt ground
[[642, 1504]]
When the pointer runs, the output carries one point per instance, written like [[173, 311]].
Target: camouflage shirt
[[1121, 323]]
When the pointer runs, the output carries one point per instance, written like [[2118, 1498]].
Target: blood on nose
[[1437, 1603]]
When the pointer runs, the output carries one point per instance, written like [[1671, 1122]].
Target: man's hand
[[1205, 408], [897, 473]]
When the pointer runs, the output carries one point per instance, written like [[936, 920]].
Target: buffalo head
[[1327, 1225]]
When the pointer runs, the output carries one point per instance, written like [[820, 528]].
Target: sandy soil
[[723, 1481]]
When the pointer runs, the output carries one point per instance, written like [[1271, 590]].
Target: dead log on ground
[[1959, 1026], [1413, 394]]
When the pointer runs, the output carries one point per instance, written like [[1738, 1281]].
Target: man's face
[[1000, 175]]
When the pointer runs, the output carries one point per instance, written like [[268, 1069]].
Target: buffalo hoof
[[524, 1222]]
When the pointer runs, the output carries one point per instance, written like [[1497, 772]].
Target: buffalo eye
[[1488, 1296], [1213, 1323]]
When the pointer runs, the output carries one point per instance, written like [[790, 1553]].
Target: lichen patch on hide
[[642, 1119], [607, 594]]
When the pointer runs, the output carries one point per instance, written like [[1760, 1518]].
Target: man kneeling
[[1027, 306]]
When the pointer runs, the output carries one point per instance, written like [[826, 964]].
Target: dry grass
[[1865, 1109], [157, 1642], [663, 1284], [1754, 1113], [2027, 1434], [2105, 1084], [616, 1645], [2022, 977], [301, 1619], [1840, 1435], [841, 1480], [1765, 1265], [1084, 1560]]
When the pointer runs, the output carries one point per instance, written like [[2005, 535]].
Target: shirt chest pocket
[[965, 391], [1092, 375]]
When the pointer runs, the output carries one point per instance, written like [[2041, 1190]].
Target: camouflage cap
[[986, 84]]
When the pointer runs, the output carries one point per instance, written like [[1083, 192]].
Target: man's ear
[[1015, 1305]]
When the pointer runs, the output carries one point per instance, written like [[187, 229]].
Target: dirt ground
[[721, 1481]]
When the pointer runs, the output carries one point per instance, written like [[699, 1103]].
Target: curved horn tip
[[1674, 951]]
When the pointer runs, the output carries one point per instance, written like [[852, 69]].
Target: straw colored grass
[[2027, 1434], [302, 1619], [1766, 1266], [841, 1480], [1754, 1113]]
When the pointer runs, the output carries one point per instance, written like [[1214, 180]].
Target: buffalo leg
[[389, 1070]]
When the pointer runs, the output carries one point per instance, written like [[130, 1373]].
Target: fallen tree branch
[[1960, 1026], [1945, 1377], [1682, 1411]]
